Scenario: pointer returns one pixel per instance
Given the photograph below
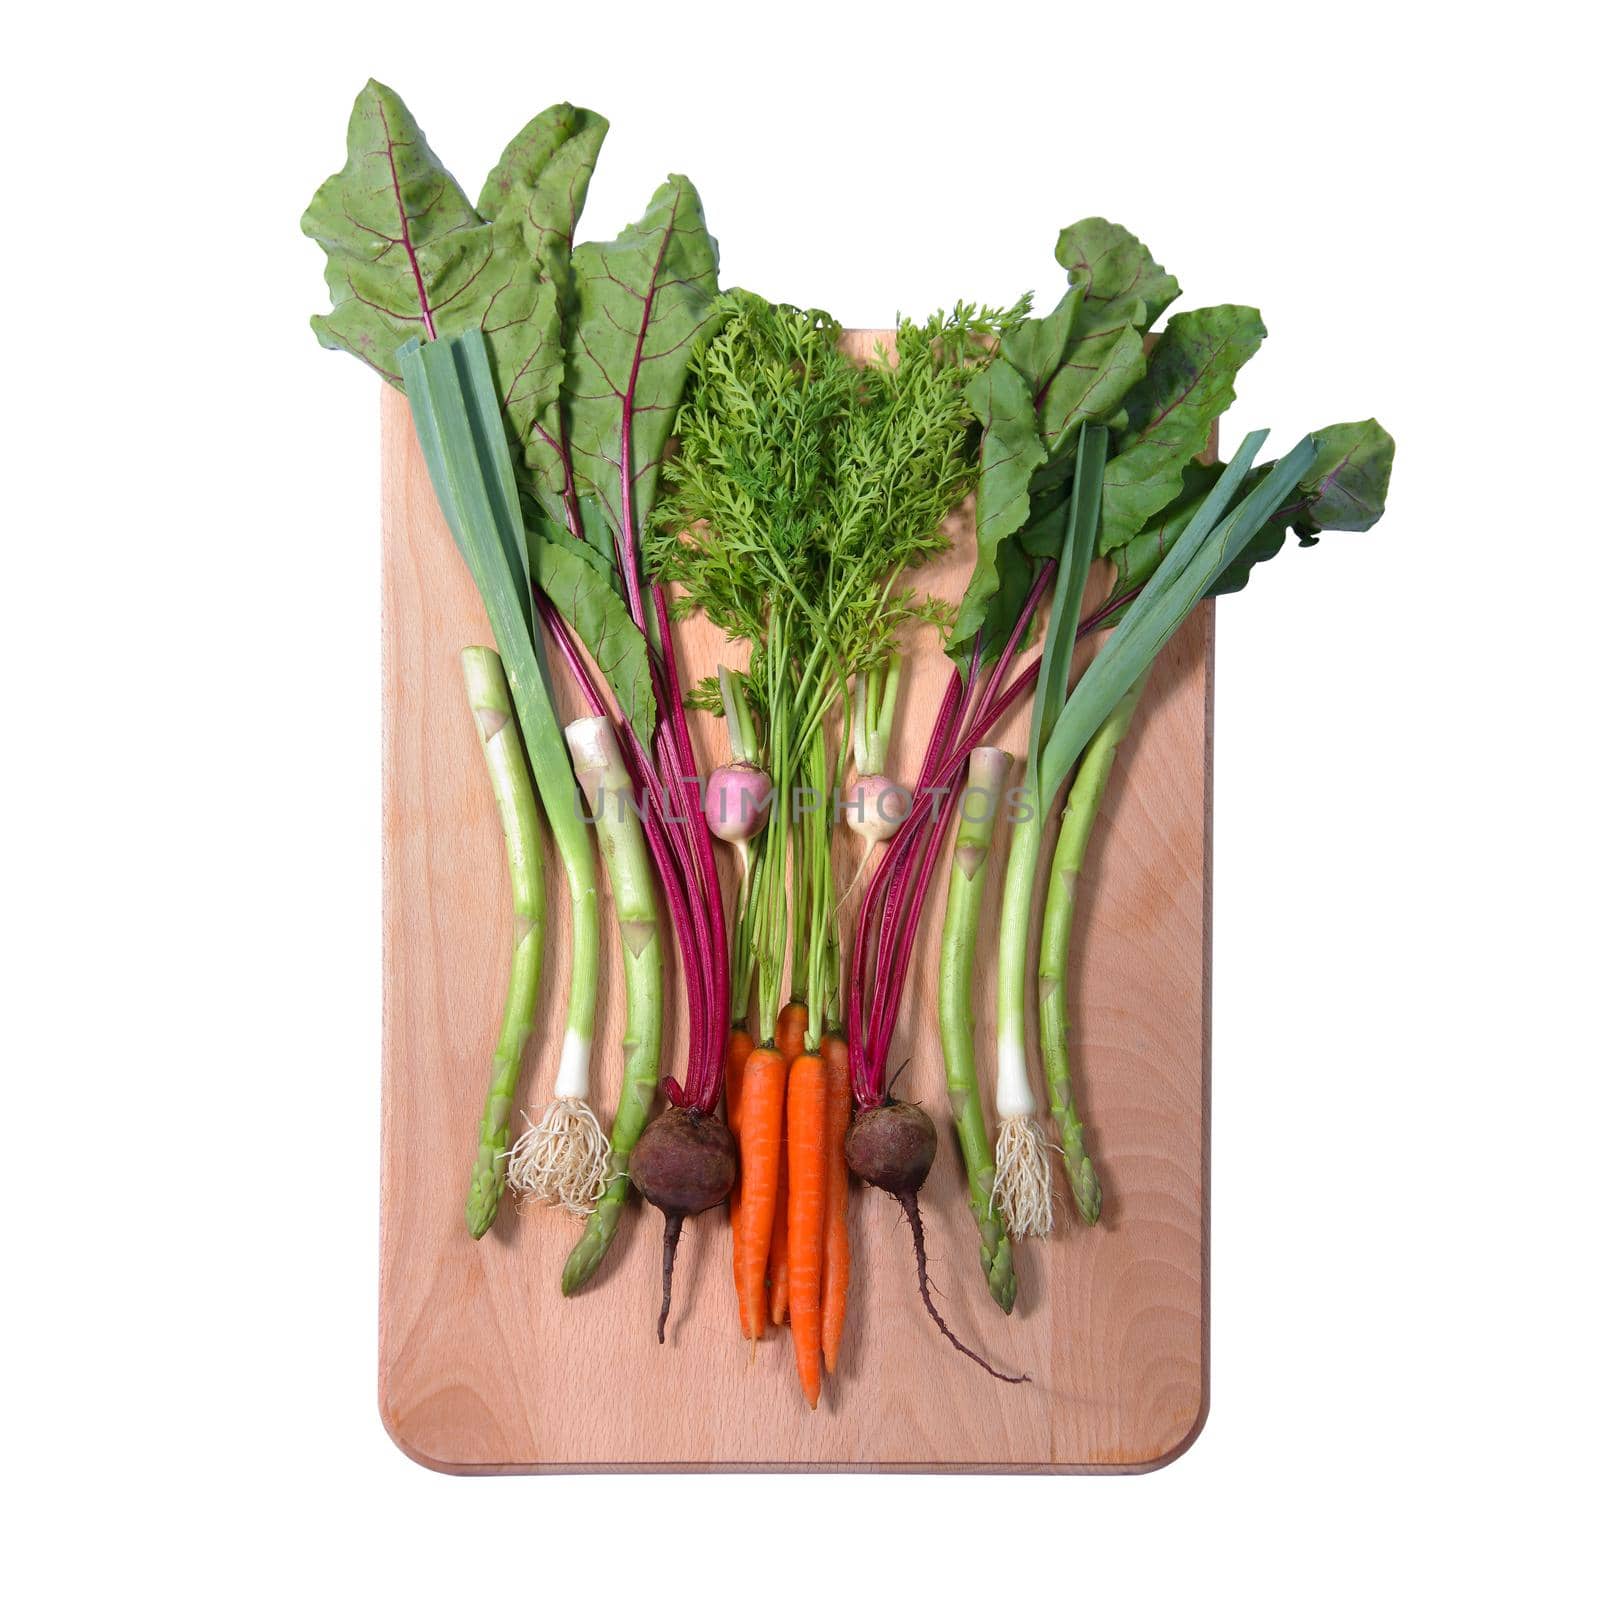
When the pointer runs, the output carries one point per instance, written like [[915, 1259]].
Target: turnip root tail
[[908, 1204], [669, 1250]]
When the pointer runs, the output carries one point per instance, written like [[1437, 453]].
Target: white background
[[1404, 1118]]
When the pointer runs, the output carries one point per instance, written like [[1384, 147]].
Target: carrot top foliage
[[806, 487], [807, 483]]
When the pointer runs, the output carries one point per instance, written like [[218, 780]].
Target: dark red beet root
[[683, 1164], [892, 1147]]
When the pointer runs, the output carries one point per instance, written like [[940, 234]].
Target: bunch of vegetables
[[1088, 448], [804, 488], [601, 422], [543, 379]]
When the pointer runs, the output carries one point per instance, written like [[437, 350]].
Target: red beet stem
[[664, 771], [692, 924], [703, 1076], [939, 829], [896, 932], [555, 626], [868, 1047], [899, 885], [869, 1044]]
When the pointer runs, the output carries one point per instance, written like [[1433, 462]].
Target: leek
[[457, 415]]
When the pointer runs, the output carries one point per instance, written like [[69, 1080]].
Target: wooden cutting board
[[483, 1367]]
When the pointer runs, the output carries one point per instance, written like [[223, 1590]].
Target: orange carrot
[[808, 1184], [790, 1038], [836, 1235], [760, 1139], [778, 1259], [791, 1042], [734, 1056]]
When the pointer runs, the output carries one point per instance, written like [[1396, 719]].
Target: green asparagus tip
[[578, 1270], [1085, 1189], [587, 1254], [482, 1204], [1002, 1276]]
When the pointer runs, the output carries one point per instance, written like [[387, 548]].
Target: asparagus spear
[[489, 696], [969, 869], [597, 760], [1077, 821]]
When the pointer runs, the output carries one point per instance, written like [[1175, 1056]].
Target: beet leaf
[[643, 302], [1188, 384], [1077, 366], [1010, 454], [409, 257], [534, 197], [1121, 283], [569, 573]]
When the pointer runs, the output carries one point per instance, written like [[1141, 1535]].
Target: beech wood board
[[484, 1368]]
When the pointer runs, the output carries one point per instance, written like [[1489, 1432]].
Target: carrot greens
[[805, 486]]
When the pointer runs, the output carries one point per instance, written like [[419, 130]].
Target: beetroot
[[891, 1147], [683, 1164]]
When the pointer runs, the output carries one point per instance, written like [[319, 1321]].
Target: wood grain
[[484, 1368]]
